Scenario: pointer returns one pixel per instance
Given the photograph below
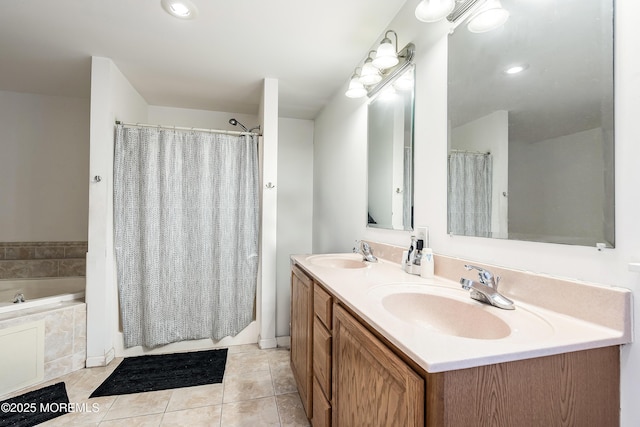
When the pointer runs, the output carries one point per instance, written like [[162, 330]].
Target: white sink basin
[[347, 261], [446, 315], [448, 311]]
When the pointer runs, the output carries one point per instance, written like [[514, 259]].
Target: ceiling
[[215, 62]]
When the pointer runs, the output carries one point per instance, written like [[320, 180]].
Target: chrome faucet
[[486, 289], [363, 248]]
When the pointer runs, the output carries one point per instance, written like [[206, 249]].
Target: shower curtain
[[186, 233], [469, 198]]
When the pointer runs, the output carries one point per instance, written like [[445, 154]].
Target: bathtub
[[44, 337], [38, 292]]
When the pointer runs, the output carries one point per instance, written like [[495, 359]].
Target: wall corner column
[[266, 294]]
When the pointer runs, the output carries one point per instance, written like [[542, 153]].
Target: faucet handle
[[486, 277]]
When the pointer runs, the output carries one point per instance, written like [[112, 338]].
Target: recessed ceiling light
[[515, 69], [182, 9]]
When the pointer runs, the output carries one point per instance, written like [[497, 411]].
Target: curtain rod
[[484, 153], [226, 132]]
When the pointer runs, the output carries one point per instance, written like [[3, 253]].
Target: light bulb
[[488, 18], [386, 56], [182, 9], [515, 69], [370, 75], [356, 89], [434, 10]]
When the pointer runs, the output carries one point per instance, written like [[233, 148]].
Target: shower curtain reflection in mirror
[[186, 233], [469, 198]]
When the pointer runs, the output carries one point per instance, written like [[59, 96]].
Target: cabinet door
[[301, 335], [322, 356], [371, 385]]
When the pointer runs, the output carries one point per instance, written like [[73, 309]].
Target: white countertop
[[535, 331]]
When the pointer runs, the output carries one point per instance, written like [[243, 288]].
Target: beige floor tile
[[204, 416], [194, 397], [141, 421], [134, 405], [251, 413], [243, 363], [283, 380], [258, 390], [279, 357], [89, 412], [91, 378], [291, 410], [235, 349], [253, 385]]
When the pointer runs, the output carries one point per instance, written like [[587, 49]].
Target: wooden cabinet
[[302, 335], [322, 362], [580, 388], [371, 385], [349, 375]]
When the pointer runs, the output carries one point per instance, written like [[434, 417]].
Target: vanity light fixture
[[386, 67], [356, 88], [387, 53], [370, 74], [491, 16], [182, 9], [434, 10]]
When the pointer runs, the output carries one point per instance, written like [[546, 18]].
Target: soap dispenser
[[414, 256]]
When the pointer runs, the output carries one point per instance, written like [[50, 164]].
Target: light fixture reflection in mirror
[[549, 127], [390, 154]]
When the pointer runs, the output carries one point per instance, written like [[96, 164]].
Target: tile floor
[[258, 390]]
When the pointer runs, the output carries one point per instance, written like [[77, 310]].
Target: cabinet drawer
[[322, 305], [321, 407], [322, 356]]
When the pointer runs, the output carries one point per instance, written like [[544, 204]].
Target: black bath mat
[[164, 371], [35, 407]]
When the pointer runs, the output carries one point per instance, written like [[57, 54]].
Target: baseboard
[[269, 343], [96, 361], [284, 342]]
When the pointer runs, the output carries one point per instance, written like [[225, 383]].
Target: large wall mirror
[[390, 154], [531, 152]]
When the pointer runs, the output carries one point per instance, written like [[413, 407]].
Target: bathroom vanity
[[371, 345]]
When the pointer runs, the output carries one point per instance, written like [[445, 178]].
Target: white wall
[[112, 98], [187, 117], [44, 165], [340, 185], [574, 160], [295, 208]]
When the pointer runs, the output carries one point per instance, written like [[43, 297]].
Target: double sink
[[437, 323], [441, 309]]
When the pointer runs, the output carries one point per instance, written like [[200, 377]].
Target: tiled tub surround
[[20, 260], [65, 340], [567, 306]]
